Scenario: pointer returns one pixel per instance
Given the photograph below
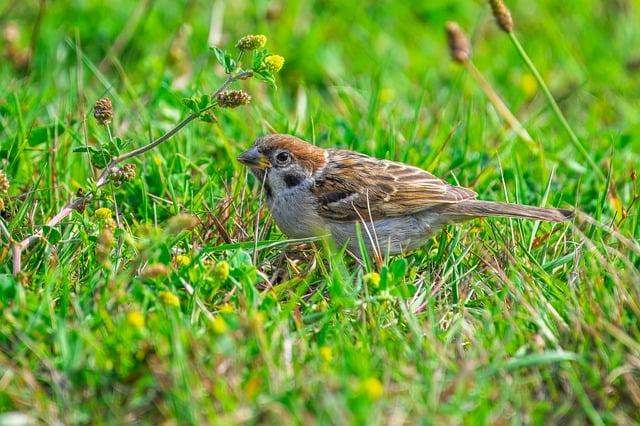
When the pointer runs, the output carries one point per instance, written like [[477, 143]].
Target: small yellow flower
[[221, 270], [136, 319], [103, 213], [219, 325], [273, 63], [182, 260], [373, 388], [169, 298], [372, 279], [251, 42], [326, 353], [225, 308], [529, 85]]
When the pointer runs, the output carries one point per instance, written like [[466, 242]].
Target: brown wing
[[354, 185]]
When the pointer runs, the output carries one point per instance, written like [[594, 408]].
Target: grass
[[496, 321]]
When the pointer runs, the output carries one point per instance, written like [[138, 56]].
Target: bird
[[312, 192]]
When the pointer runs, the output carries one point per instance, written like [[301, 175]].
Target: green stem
[[554, 105]]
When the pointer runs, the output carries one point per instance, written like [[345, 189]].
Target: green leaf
[[258, 58], [266, 76], [100, 158], [85, 148], [42, 134], [203, 101], [8, 287], [218, 53], [229, 64], [398, 268], [208, 117], [51, 234], [542, 358], [191, 104]]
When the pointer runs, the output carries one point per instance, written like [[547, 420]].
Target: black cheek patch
[[292, 180]]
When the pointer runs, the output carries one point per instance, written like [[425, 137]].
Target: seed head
[[103, 111], [181, 222], [502, 14], [233, 98], [458, 43], [251, 42], [11, 32], [273, 63], [155, 270], [1, 205], [4, 182], [123, 174], [104, 245]]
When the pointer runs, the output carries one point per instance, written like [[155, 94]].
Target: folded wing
[[354, 186]]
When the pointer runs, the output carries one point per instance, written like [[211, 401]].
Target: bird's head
[[283, 161]]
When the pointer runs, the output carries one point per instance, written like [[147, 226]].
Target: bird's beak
[[254, 159]]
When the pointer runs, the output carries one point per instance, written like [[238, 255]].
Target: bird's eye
[[282, 157]]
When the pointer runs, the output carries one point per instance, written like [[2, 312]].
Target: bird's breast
[[295, 214]]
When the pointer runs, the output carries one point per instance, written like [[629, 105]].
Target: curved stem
[[102, 180], [554, 105]]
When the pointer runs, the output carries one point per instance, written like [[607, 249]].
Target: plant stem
[[554, 105], [68, 208], [497, 102]]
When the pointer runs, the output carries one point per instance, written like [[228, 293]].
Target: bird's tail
[[475, 208]]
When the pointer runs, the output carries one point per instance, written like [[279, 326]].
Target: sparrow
[[311, 191]]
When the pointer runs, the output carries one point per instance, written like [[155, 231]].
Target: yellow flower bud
[[326, 353], [373, 388], [169, 298], [372, 279], [225, 308], [221, 270], [219, 325], [273, 63], [103, 213], [182, 260], [136, 319]]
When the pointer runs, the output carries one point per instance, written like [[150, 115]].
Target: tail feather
[[476, 208]]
